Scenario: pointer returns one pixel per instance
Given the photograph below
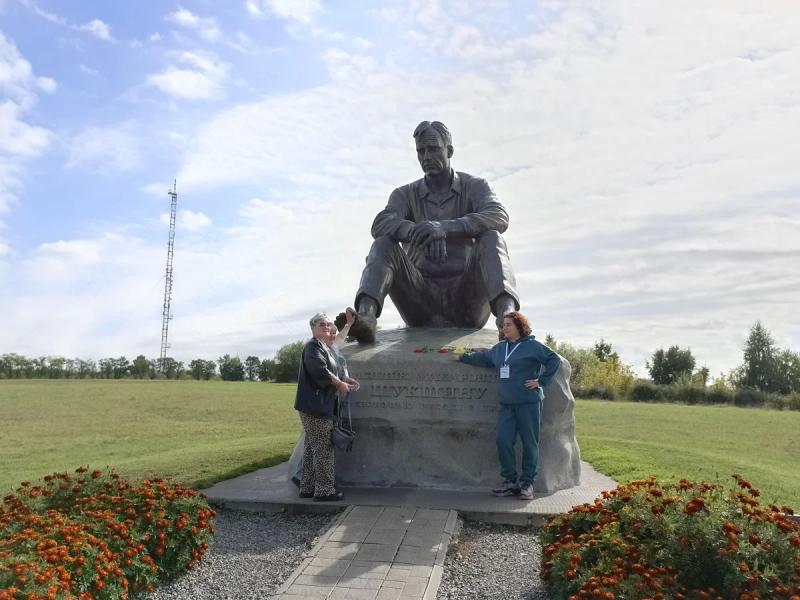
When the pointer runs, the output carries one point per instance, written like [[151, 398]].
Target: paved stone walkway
[[376, 553]]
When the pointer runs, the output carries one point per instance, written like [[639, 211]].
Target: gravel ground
[[254, 553], [493, 561], [251, 556]]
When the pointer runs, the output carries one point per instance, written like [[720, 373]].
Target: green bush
[[89, 535], [717, 395], [776, 401], [681, 541], [690, 394], [749, 397], [645, 391], [592, 374], [600, 392]]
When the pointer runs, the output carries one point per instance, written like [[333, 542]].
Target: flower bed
[[682, 541], [91, 535]]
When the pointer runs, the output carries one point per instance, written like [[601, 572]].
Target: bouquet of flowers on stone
[[681, 541], [457, 350], [93, 535]]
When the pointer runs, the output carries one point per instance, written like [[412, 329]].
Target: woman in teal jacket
[[524, 366]]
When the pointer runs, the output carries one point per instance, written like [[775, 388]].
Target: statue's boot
[[499, 322], [363, 330], [503, 304]]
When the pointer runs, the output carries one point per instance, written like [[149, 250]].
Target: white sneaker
[[526, 491]]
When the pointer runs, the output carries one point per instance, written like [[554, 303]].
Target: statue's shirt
[[469, 208]]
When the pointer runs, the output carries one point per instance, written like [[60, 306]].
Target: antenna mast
[[166, 315]]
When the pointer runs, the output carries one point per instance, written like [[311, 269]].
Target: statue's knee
[[383, 247], [490, 239]]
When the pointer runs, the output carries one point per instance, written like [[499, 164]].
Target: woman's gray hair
[[317, 318]]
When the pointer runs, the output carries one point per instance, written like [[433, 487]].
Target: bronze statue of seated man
[[438, 250]]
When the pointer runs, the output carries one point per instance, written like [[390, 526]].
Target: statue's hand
[[426, 232], [437, 251]]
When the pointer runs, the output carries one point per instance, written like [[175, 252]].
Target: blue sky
[[647, 156]]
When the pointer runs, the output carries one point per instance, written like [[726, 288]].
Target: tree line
[[596, 371], [767, 376], [283, 367]]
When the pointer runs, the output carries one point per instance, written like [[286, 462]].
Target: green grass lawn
[[200, 432], [196, 432], [627, 440]]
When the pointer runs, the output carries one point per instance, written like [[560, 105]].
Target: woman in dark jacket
[[317, 388]]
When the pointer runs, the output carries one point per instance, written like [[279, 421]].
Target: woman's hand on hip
[[532, 384]]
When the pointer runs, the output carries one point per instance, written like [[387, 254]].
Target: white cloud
[[157, 190], [206, 27], [293, 10], [104, 150], [88, 70], [155, 37], [86, 285], [610, 135], [199, 78], [46, 84], [52, 17], [648, 167], [95, 27], [242, 42], [17, 138], [188, 220], [17, 81], [20, 140], [73, 251], [98, 29]]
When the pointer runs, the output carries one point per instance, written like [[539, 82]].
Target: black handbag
[[342, 435]]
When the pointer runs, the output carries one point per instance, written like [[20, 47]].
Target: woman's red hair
[[520, 321]]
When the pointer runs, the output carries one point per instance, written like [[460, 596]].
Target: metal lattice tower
[[166, 315]]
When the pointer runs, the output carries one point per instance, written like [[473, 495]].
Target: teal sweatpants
[[518, 420]]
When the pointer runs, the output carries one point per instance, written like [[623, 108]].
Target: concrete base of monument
[[269, 490], [423, 420]]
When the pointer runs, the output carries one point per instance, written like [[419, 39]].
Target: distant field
[[201, 432], [194, 431], [628, 440]]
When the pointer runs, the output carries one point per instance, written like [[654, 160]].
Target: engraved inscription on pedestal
[[411, 393]]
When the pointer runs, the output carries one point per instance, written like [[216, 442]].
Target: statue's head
[[434, 147]]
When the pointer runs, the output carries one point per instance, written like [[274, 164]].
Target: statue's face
[[432, 153]]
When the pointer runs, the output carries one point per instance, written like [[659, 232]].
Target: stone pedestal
[[423, 420]]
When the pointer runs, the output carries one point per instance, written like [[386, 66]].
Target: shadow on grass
[[271, 461]]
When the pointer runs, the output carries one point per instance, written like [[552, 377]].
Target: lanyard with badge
[[505, 370]]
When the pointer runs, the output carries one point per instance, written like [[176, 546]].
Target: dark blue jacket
[[529, 359], [315, 392]]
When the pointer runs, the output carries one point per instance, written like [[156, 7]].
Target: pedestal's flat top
[[270, 489], [400, 343]]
